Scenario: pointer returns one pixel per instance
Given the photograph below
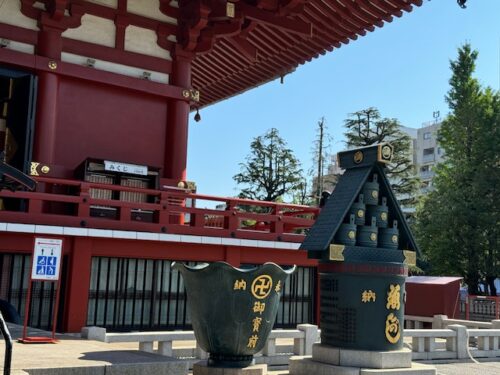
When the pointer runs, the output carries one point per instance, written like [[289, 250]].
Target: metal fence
[[147, 294]]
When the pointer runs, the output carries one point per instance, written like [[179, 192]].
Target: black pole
[[8, 346]]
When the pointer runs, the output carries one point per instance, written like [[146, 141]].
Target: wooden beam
[[244, 47], [269, 18]]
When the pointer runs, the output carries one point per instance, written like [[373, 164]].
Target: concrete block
[[415, 369], [326, 354], [361, 358], [94, 333], [304, 365], [377, 360], [201, 368]]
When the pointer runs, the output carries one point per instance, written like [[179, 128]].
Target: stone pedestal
[[328, 360], [201, 368]]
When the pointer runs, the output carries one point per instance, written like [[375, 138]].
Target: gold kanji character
[[393, 297], [392, 329], [252, 341], [256, 324], [278, 287], [259, 307], [368, 295], [240, 285]]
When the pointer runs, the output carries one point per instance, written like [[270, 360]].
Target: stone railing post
[[146, 346], [438, 321], [304, 346], [165, 348], [200, 353], [270, 347], [462, 340]]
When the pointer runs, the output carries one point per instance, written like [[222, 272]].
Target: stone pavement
[[71, 351], [468, 368], [72, 355]]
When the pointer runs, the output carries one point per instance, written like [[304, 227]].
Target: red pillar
[[178, 119], [233, 256], [49, 45], [79, 282]]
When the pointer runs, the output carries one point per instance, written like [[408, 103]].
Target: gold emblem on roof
[[410, 257], [337, 252], [358, 157]]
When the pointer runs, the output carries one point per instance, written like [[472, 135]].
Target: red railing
[[482, 308], [71, 203]]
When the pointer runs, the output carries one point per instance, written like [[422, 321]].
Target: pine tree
[[458, 224], [270, 171], [367, 127]]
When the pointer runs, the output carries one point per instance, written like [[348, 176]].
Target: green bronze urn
[[232, 310]]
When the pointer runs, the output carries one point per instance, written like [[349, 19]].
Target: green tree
[[367, 127], [270, 171], [459, 221]]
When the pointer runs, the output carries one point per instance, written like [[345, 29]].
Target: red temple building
[[95, 97]]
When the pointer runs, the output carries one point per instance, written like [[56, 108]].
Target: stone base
[[361, 358], [201, 368], [306, 366]]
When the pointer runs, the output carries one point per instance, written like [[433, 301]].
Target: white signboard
[[115, 166], [46, 259]]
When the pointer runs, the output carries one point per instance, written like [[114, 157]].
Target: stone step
[[304, 365], [361, 358], [415, 369]]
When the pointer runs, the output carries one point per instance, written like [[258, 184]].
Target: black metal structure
[[14, 274], [147, 294], [365, 247], [136, 294], [8, 346], [298, 304]]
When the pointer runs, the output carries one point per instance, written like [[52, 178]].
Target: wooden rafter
[[230, 66]]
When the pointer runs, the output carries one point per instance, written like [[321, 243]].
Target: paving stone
[[201, 368], [304, 365]]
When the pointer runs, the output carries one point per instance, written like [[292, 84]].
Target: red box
[[433, 295]]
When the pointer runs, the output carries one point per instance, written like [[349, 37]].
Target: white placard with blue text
[[46, 259]]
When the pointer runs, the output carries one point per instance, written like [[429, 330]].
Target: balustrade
[[64, 202]]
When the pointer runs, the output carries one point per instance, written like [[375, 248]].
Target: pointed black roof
[[345, 194]]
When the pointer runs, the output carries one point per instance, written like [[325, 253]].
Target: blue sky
[[401, 68]]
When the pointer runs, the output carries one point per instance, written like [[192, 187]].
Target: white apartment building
[[426, 151]]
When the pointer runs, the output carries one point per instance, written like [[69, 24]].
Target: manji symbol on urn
[[233, 310]]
